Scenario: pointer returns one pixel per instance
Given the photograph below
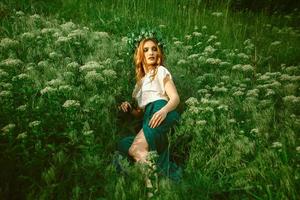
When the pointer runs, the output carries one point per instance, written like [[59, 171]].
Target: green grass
[[63, 73]]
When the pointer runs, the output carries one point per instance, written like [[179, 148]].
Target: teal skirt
[[157, 139]]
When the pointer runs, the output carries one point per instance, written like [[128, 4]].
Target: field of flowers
[[61, 83]]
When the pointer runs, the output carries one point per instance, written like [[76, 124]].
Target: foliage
[[61, 82]]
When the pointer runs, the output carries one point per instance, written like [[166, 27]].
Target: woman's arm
[[127, 107], [173, 102], [137, 112], [171, 91]]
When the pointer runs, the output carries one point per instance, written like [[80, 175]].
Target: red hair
[[139, 58]]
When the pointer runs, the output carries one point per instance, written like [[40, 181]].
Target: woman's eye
[[154, 49], [146, 49]]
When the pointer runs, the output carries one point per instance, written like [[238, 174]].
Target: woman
[[157, 98]]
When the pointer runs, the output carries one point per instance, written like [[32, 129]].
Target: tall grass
[[64, 68]]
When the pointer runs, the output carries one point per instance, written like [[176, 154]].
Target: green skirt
[[157, 139]]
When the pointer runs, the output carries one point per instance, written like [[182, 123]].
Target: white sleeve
[[162, 73], [135, 91]]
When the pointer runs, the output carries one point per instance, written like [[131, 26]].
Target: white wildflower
[[6, 86], [223, 107], [217, 44], [208, 109], [68, 26], [73, 65], [193, 56], [276, 145], [243, 56], [34, 124], [202, 91], [35, 17], [3, 74], [275, 43], [238, 93], [209, 50], [213, 61], [8, 128], [263, 77], [201, 122], [104, 35], [292, 78], [48, 31], [298, 149], [178, 43], [48, 90], [237, 67], [292, 69], [188, 37], [5, 94], [247, 68], [217, 14], [291, 99], [77, 33], [182, 62], [28, 36], [109, 73], [243, 68], [55, 82], [225, 77], [88, 132], [188, 47], [22, 108], [270, 92], [8, 43], [91, 66], [194, 110], [43, 64], [211, 38], [232, 121], [71, 104], [192, 101], [254, 131], [62, 40], [11, 62], [93, 76], [224, 64], [54, 55], [65, 89], [202, 59], [19, 13], [22, 135], [198, 43], [220, 89], [197, 34], [252, 93], [21, 77]]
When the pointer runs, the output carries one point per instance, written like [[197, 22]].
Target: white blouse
[[151, 89]]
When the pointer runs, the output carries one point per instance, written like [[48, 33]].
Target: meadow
[[66, 66]]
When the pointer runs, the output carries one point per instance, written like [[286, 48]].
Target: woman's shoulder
[[162, 69]]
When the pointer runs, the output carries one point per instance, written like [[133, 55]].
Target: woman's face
[[150, 53]]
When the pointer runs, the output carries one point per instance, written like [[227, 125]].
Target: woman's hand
[[158, 118], [125, 106]]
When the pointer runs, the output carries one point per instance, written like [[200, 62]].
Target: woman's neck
[[149, 68]]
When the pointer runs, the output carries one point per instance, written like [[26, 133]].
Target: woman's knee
[[138, 154]]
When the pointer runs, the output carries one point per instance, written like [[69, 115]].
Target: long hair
[[139, 59]]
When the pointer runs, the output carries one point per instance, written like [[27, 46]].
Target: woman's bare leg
[[139, 148], [139, 151]]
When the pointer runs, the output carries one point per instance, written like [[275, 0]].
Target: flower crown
[[135, 38]]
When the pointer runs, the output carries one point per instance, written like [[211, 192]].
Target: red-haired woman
[[157, 98]]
